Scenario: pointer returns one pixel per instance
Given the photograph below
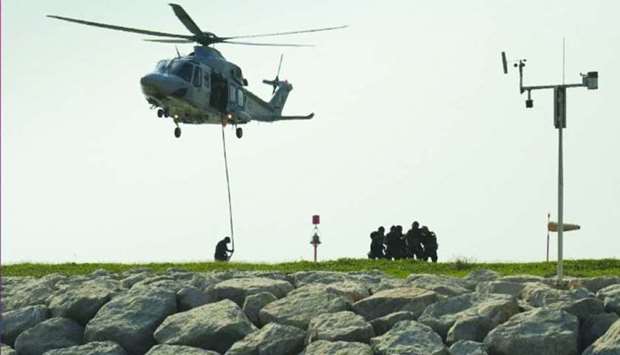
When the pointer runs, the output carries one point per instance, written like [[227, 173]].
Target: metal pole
[[548, 220], [315, 252], [560, 269]]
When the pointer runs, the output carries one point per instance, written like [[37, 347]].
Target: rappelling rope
[[230, 214]]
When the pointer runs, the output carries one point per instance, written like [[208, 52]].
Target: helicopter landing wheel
[[166, 113], [239, 132], [160, 113], [177, 132]]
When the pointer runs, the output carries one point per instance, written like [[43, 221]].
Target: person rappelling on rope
[[221, 250]]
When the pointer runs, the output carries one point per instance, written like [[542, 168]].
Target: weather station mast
[[589, 81]]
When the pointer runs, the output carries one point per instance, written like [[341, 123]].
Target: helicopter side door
[[197, 92], [219, 92]]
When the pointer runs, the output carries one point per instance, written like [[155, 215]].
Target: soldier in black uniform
[[429, 242], [413, 239], [391, 244], [401, 245], [221, 250], [376, 246]]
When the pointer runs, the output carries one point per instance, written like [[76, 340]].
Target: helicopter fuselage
[[204, 88]]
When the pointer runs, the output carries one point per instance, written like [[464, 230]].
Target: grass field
[[401, 268]]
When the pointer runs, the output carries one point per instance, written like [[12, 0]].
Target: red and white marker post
[[316, 220]]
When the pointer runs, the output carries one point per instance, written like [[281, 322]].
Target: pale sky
[[414, 121]]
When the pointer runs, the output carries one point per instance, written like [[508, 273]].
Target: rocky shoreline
[[310, 313]]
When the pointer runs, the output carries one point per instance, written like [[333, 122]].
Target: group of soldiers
[[418, 243]]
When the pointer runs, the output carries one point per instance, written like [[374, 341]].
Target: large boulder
[[214, 326], [191, 297], [7, 350], [237, 289], [130, 319], [82, 301], [594, 284], [593, 327], [29, 291], [608, 344], [165, 282], [481, 275], [382, 303], [15, 322], [302, 278], [272, 339], [297, 309], [345, 326], [504, 287], [179, 350], [50, 334], [382, 324], [94, 348], [469, 316], [578, 301], [611, 298], [547, 331], [409, 337], [254, 303], [352, 291], [134, 278], [324, 347], [442, 285], [468, 347], [521, 278]]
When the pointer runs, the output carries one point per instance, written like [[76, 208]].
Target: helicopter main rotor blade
[[286, 33], [269, 44], [121, 28], [169, 40], [186, 20]]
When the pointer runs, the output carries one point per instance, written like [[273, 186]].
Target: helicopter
[[203, 87]]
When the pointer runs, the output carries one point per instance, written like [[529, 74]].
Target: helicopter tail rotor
[[275, 82]]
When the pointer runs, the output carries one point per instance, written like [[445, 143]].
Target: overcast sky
[[414, 121]]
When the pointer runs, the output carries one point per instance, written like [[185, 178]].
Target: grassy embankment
[[401, 268]]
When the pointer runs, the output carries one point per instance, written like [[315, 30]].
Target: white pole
[[560, 270]]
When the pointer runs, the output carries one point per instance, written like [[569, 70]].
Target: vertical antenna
[[563, 60]]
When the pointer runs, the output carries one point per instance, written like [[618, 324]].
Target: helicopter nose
[[158, 85]]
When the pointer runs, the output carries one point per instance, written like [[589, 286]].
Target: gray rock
[[382, 324], [297, 309], [164, 282], [81, 302], [382, 303], [214, 326], [302, 278], [50, 334], [7, 350], [503, 287], [469, 316], [191, 297], [593, 327], [468, 347], [387, 284], [94, 348], [547, 331], [324, 347], [15, 322], [29, 292], [179, 350], [611, 298], [521, 278], [608, 344], [409, 337], [352, 291], [130, 319], [237, 289], [254, 303], [594, 284], [345, 326], [272, 339], [578, 301], [442, 285], [133, 279], [482, 275]]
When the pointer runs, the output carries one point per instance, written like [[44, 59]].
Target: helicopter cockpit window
[[182, 69], [162, 66], [197, 77]]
